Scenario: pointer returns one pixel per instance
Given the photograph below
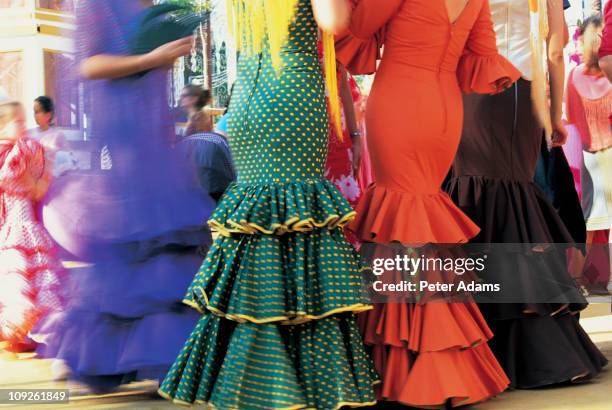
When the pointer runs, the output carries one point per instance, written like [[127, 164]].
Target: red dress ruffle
[[385, 215], [30, 272], [485, 74]]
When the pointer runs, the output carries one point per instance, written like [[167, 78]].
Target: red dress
[[30, 273], [427, 353], [339, 164]]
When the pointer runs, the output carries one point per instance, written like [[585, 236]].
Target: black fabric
[[493, 183]]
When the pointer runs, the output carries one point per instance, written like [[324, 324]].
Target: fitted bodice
[[512, 28], [435, 44]]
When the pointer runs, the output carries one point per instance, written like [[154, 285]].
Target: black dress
[[537, 343]]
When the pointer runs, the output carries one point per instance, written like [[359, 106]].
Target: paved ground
[[26, 372]]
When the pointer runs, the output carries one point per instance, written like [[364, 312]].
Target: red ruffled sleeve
[[481, 69], [359, 48]]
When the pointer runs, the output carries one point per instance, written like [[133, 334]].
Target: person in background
[[605, 51], [48, 135], [554, 175], [221, 125], [30, 272], [209, 154], [588, 106], [193, 99]]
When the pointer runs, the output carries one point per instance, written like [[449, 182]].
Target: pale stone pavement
[[26, 372]]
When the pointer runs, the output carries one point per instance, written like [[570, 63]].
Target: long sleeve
[[481, 68], [359, 48]]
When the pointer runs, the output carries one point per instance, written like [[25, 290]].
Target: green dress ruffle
[[280, 287]]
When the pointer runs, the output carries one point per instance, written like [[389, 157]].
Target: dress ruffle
[[269, 278], [386, 215], [123, 223], [359, 56], [538, 344], [423, 364], [109, 350], [484, 74], [538, 351], [519, 211], [101, 336], [321, 364], [279, 208]]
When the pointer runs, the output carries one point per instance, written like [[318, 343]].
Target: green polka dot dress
[[280, 287]]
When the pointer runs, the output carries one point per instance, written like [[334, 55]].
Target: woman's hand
[[332, 16], [167, 54], [559, 134]]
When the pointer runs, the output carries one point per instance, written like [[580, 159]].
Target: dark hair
[[591, 41], [46, 103], [202, 94]]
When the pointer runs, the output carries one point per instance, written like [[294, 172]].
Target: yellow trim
[[193, 305], [296, 318], [339, 405], [293, 224]]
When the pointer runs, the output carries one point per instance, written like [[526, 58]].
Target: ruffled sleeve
[[481, 69], [359, 48]]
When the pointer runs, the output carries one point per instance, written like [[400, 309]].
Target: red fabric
[[588, 106], [411, 219], [434, 352], [426, 365], [606, 41], [30, 273], [485, 74]]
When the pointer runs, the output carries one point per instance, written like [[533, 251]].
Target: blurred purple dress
[[140, 223]]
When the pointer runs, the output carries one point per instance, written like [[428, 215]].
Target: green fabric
[[281, 206], [246, 366], [164, 23], [280, 287], [270, 276]]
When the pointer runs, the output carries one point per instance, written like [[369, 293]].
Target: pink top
[[589, 104]]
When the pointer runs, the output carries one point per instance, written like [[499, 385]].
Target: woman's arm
[[332, 16], [351, 119], [106, 66], [606, 65], [556, 68]]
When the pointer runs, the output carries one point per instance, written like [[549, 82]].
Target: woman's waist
[[416, 70]]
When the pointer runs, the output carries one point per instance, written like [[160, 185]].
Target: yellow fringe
[[331, 79], [252, 22]]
